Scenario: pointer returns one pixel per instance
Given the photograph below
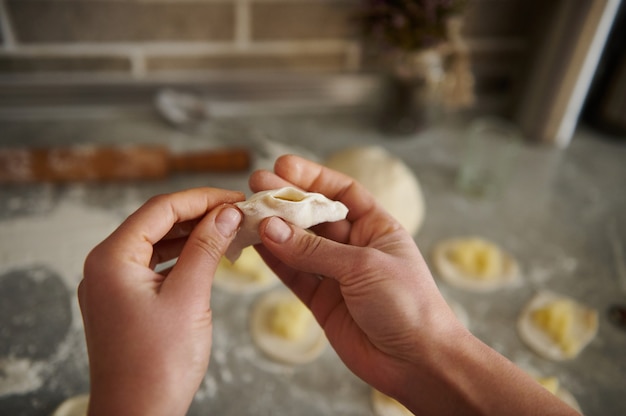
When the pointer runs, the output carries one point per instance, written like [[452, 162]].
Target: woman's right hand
[[377, 301], [370, 289]]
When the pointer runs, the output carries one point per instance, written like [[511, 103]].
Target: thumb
[[310, 253], [196, 265]]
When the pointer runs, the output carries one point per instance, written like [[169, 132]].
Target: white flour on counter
[[60, 239], [23, 375], [18, 376]]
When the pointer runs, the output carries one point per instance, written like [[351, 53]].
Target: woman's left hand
[[149, 333]]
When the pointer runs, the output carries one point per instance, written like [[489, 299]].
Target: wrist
[[133, 396], [459, 374], [438, 374]]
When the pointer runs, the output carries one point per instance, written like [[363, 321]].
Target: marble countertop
[[562, 214]]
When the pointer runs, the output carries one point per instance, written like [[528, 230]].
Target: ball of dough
[[388, 178]]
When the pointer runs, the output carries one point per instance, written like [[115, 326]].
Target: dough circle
[[459, 311], [568, 398], [450, 273], [254, 277], [388, 178], [384, 405], [299, 351], [74, 406], [541, 342], [561, 392]]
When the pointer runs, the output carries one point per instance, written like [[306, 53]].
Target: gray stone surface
[[563, 215]]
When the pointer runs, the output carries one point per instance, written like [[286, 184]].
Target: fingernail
[[277, 230], [227, 221]]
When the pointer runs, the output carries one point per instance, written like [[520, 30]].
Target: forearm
[[463, 376]]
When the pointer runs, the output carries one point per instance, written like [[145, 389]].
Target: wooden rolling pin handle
[[218, 160], [86, 163], [89, 163]]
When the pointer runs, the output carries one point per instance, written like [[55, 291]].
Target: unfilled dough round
[[582, 328], [384, 405], [503, 272], [459, 311], [249, 274], [74, 406], [568, 398], [388, 178], [306, 348], [557, 389]]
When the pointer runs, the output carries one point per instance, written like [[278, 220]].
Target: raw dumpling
[[284, 328], [304, 209], [556, 326], [474, 264], [388, 178]]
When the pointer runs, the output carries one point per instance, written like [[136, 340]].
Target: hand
[[380, 307], [377, 300], [148, 333]]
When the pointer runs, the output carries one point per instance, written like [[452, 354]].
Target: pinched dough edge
[[303, 209]]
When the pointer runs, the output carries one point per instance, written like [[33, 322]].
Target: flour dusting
[[60, 239], [18, 376], [208, 389]]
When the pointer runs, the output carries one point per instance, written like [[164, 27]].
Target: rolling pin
[[91, 163]]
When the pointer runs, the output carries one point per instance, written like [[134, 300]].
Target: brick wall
[[156, 36], [147, 39]]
